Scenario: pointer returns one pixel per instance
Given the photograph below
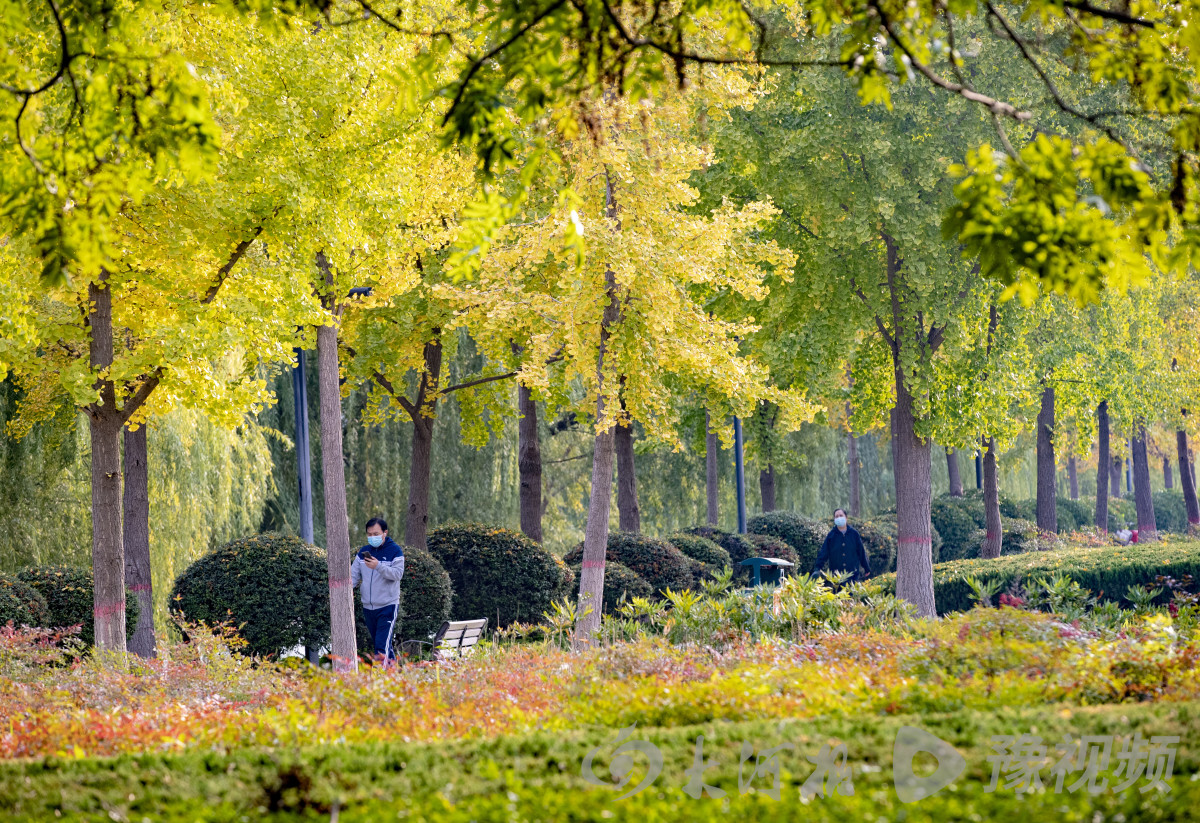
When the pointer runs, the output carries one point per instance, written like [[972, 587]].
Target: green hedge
[[274, 588], [702, 549], [770, 546], [536, 777], [1170, 513], [69, 595], [499, 574], [803, 534], [22, 604], [426, 595], [736, 545], [1106, 571], [954, 520], [620, 583], [1017, 536], [656, 561]]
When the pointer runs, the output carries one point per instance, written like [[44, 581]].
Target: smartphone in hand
[[367, 556]]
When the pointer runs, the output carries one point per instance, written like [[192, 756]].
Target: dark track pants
[[380, 624]]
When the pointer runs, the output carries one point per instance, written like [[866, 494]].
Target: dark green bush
[[70, 598], [656, 561], [1018, 536], [952, 518], [1083, 514], [499, 574], [736, 545], [1170, 513], [1106, 571], [803, 534], [1122, 514], [273, 587], [426, 595], [22, 604], [620, 583], [702, 549], [1023, 509], [768, 545], [1067, 520]]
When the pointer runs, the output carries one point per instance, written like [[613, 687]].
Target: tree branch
[[223, 272], [1107, 14]]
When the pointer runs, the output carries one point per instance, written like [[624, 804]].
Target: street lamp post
[[741, 475]]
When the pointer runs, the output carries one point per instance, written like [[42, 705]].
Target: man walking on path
[[377, 570], [843, 550]]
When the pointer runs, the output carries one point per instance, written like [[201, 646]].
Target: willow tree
[[627, 300]]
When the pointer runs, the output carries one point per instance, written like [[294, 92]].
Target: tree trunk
[[416, 525], [956, 487], [710, 466], [1168, 475], [1114, 476], [529, 464], [855, 484], [343, 641], [137, 540], [766, 487], [914, 490], [1144, 503], [1103, 467], [595, 535], [993, 540], [1073, 477], [1047, 490], [108, 549], [1187, 480], [628, 513]]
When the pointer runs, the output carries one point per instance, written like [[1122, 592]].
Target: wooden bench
[[454, 638]]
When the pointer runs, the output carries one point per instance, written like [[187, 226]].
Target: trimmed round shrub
[[22, 604], [1066, 513], [425, 595], [1083, 514], [70, 597], [1122, 513], [274, 588], [499, 574], [803, 534], [620, 582], [736, 545], [656, 561], [702, 549], [952, 518], [1018, 536], [770, 546], [1170, 512]]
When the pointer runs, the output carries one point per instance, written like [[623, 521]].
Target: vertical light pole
[[740, 466], [303, 461], [978, 470], [303, 453]]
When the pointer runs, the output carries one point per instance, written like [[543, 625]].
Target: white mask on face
[[375, 540], [839, 521]]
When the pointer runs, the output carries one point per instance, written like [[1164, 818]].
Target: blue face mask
[[375, 540], [840, 522]]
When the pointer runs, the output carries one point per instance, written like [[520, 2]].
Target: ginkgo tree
[[623, 314]]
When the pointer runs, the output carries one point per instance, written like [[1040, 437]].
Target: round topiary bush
[[22, 604], [1122, 514], [803, 534], [1081, 513], [767, 545], [1018, 536], [1066, 515], [273, 588], [656, 561], [702, 549], [499, 574], [1170, 512], [621, 584], [70, 597], [425, 594], [953, 520]]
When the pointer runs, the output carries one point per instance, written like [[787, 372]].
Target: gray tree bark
[[343, 641], [766, 487], [1114, 476], [1073, 477], [1187, 480], [1047, 491], [1103, 466], [956, 486], [529, 464], [914, 492], [1168, 475], [136, 526], [104, 422], [855, 483], [595, 535], [712, 478], [993, 540], [416, 524], [628, 513], [1143, 502]]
